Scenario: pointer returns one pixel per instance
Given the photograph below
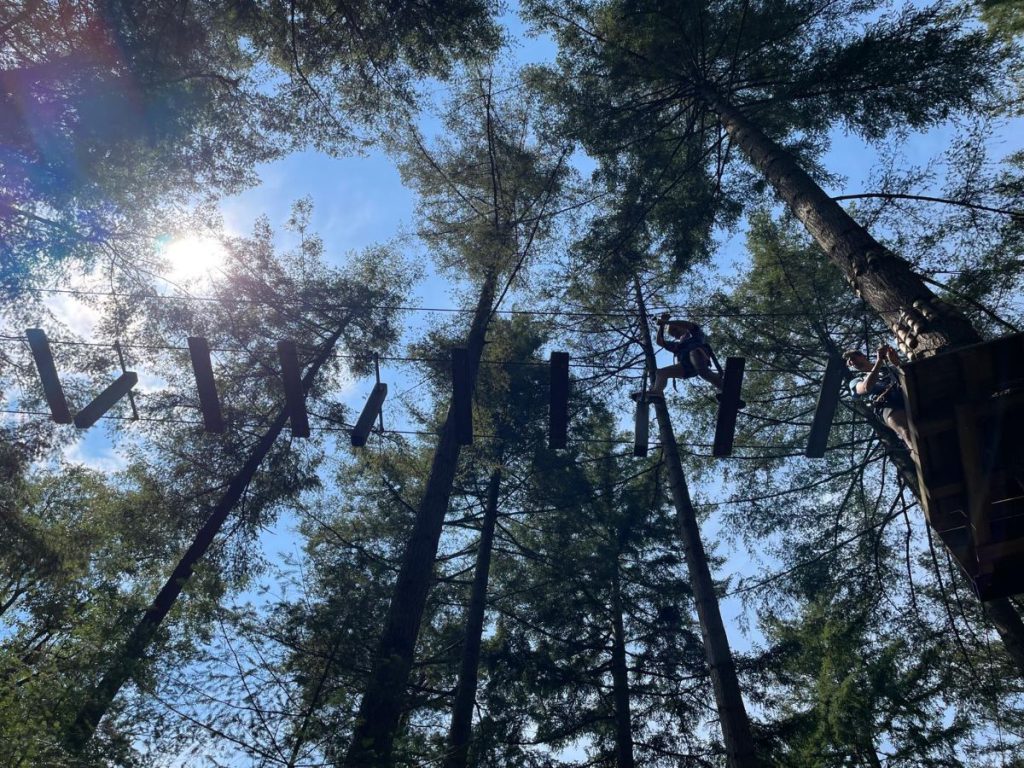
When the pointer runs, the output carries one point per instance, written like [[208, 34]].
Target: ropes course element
[[695, 311]]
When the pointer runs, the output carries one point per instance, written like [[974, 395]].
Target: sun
[[192, 257]]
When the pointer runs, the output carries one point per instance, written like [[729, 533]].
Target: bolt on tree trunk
[[381, 707], [732, 714], [98, 700]]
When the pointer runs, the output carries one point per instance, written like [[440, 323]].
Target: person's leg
[[702, 363], [896, 420], [675, 371]]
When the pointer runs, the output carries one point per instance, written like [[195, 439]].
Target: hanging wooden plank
[[294, 397], [558, 409], [209, 402], [106, 400], [361, 431], [641, 426], [52, 389], [462, 401], [725, 427], [825, 411]]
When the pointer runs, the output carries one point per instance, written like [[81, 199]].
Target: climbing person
[[692, 353], [880, 386]]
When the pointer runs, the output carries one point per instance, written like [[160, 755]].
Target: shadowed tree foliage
[[113, 111], [675, 92], [487, 191]]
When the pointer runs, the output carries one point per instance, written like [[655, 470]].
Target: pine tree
[[296, 297], [485, 197], [668, 90]]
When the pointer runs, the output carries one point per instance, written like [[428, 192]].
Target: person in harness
[[692, 353], [880, 387]]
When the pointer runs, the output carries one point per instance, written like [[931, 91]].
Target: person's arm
[[864, 385], [660, 339]]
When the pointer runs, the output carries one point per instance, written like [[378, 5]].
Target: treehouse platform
[[966, 414]]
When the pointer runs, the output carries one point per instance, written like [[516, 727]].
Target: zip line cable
[[417, 432], [336, 356], [693, 311]]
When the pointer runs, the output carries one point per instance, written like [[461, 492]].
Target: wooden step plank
[[825, 410], [202, 367], [52, 389], [462, 396], [558, 401], [106, 400], [725, 427], [294, 396], [361, 431]]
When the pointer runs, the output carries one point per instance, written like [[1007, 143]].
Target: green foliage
[[594, 543], [636, 82], [112, 111]]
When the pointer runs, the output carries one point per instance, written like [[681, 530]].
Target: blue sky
[[361, 201]]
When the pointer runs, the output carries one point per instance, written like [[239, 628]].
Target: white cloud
[[79, 317], [95, 453]]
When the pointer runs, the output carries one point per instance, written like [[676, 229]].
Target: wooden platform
[[966, 414]]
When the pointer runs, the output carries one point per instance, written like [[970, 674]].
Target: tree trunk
[[99, 699], [381, 707], [620, 681], [921, 322], [465, 692], [736, 733]]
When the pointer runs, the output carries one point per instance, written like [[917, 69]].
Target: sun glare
[[192, 257]]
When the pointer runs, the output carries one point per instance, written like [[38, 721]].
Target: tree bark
[[381, 707], [465, 692], [620, 681], [736, 733], [922, 323], [99, 699]]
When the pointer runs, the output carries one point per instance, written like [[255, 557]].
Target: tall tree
[[486, 201], [841, 552], [295, 296], [636, 78]]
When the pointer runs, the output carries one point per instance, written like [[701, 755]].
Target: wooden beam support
[[462, 401], [641, 426], [52, 389], [361, 431], [825, 411], [106, 400], [209, 402], [725, 427], [294, 397], [558, 410]]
